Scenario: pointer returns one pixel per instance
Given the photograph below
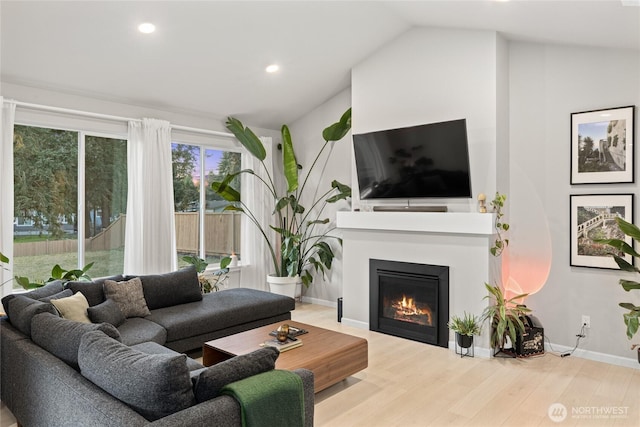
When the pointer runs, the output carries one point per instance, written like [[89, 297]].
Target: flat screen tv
[[424, 161]]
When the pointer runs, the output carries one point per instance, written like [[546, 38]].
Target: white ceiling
[[208, 57]]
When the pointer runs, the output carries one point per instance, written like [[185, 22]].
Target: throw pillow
[[61, 337], [73, 307], [210, 381], [129, 297], [49, 289], [106, 312], [64, 294], [154, 385], [176, 287], [92, 290], [22, 309]]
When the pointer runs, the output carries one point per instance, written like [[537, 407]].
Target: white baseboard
[[627, 362], [317, 301], [355, 323]]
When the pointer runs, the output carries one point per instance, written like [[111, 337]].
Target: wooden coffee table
[[332, 356]]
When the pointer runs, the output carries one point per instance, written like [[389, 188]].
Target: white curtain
[[150, 239], [6, 198], [256, 258]]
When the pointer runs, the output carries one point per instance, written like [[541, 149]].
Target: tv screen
[[424, 161]]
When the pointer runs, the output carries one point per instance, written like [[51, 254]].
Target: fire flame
[[406, 309]]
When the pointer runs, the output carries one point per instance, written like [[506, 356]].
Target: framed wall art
[[592, 218], [602, 146]]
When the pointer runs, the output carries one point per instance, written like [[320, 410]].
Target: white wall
[[431, 75], [306, 134], [548, 83]]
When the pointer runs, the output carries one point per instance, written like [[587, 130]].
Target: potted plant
[[301, 247], [57, 273], [465, 328], [631, 317], [504, 315], [220, 276]]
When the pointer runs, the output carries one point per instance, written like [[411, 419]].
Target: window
[[202, 228], [57, 173]]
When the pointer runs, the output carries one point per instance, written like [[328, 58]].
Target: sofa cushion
[[106, 312], [177, 287], [63, 294], [51, 288], [220, 310], [208, 382], [21, 310], [61, 337], [73, 307], [92, 290], [155, 348], [47, 290], [128, 295], [155, 385], [136, 330]]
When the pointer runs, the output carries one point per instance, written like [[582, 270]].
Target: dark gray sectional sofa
[[52, 370]]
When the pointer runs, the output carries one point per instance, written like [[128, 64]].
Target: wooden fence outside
[[222, 236]]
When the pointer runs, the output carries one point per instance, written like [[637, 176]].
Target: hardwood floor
[[413, 384]]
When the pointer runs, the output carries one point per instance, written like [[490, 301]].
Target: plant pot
[[464, 341], [283, 285]]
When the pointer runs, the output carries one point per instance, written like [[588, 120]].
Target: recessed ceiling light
[[272, 68], [146, 28], [631, 2]]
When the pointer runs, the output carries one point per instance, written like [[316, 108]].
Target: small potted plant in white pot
[[465, 328]]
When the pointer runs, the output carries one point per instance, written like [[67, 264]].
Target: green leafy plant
[[301, 245], [468, 324], [504, 315], [220, 276], [57, 273], [499, 225], [633, 314]]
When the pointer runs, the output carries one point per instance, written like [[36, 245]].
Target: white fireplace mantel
[[459, 240], [426, 222]]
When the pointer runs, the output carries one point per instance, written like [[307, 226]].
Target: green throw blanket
[[274, 398]]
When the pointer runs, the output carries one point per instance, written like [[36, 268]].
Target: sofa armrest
[[224, 411]]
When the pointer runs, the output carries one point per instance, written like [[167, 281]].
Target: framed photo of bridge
[[593, 217], [602, 146]]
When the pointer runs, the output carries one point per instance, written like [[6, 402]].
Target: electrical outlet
[[586, 321]]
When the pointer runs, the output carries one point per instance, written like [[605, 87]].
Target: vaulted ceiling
[[209, 57]]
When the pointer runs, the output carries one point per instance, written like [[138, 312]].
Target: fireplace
[[409, 300]]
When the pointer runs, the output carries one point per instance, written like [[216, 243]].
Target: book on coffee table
[[283, 346]]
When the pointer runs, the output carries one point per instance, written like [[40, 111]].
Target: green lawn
[[38, 268]]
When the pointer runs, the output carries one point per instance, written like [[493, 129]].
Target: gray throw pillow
[[208, 383], [106, 312], [61, 337], [176, 287], [154, 385], [48, 289], [22, 309], [64, 294], [129, 297]]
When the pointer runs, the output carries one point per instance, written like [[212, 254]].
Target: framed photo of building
[[592, 218], [602, 146]]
